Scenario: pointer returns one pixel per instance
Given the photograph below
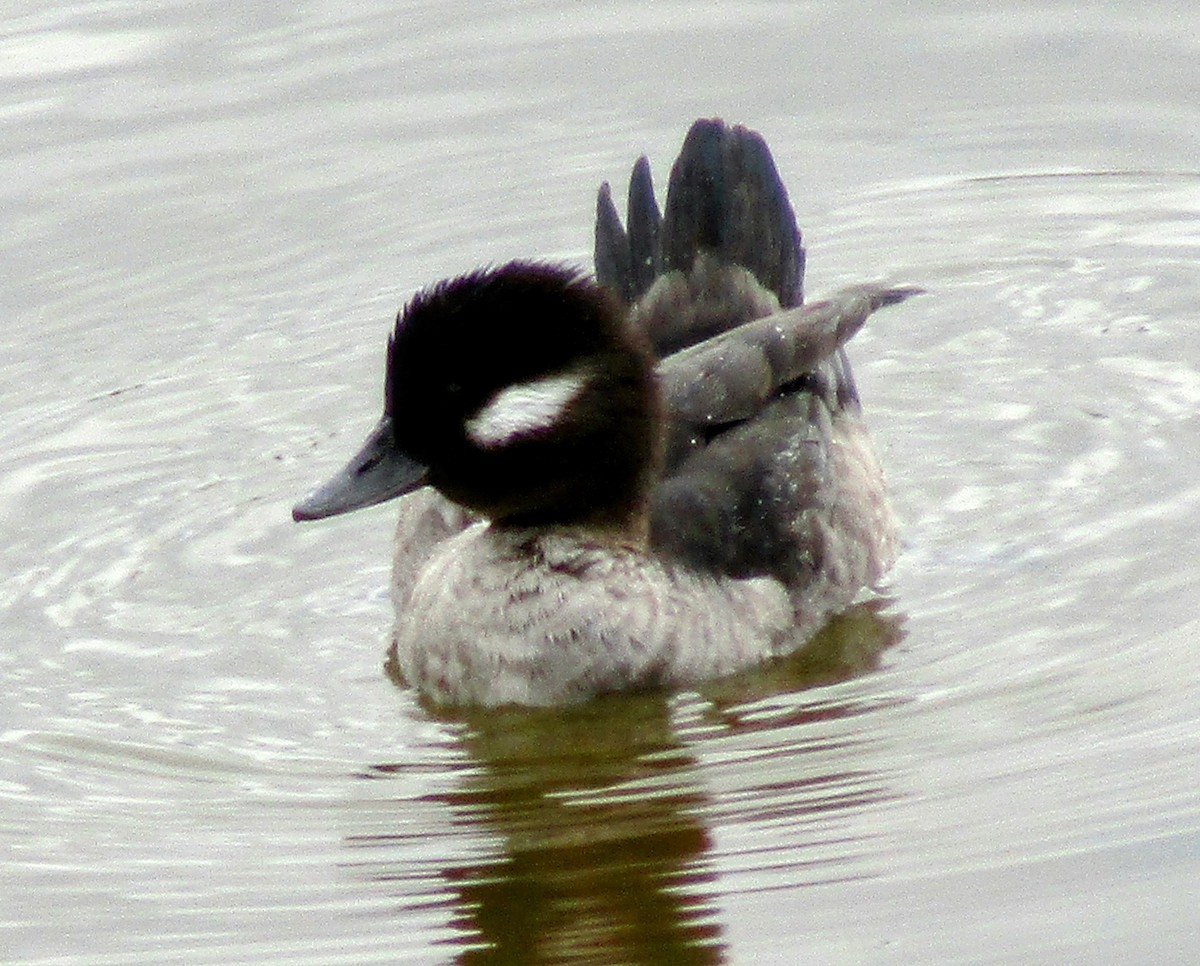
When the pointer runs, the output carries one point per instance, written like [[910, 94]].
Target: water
[[211, 215]]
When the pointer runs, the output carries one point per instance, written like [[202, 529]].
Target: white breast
[[501, 617]]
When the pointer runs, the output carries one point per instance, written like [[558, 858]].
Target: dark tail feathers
[[724, 196]]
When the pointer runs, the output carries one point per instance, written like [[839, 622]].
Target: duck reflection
[[605, 852], [601, 811]]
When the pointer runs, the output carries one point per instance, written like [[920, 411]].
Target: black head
[[524, 396]]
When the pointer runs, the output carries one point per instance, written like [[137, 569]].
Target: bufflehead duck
[[650, 478]]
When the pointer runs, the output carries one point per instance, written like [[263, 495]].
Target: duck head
[[520, 393]]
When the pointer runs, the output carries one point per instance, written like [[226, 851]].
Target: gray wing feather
[[732, 376]]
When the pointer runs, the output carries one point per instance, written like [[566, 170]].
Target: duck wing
[[770, 470], [731, 378]]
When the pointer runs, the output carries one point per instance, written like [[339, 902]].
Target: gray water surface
[[211, 215]]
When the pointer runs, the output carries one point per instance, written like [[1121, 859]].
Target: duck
[[640, 479]]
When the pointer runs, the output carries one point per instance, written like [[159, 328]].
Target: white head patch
[[523, 408]]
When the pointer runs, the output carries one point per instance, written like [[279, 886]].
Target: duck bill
[[378, 472]]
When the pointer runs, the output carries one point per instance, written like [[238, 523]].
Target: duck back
[[770, 470]]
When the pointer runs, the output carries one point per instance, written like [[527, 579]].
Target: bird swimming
[[644, 479]]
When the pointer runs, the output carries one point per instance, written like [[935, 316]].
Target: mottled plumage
[[578, 517]]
